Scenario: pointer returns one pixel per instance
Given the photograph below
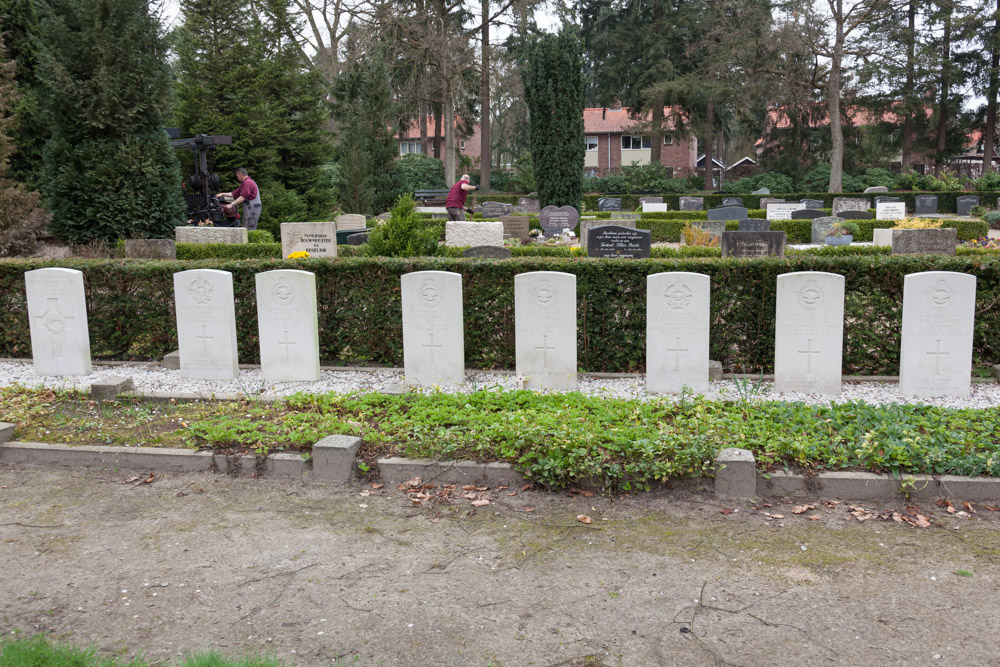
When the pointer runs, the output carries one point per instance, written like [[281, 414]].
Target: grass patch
[[556, 440]]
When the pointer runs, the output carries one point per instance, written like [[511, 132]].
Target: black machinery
[[200, 187]]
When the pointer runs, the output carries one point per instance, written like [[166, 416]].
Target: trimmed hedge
[[946, 200], [131, 315]]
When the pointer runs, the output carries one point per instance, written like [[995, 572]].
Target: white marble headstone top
[[809, 333], [206, 324], [677, 332], [890, 210], [545, 329], [57, 318], [433, 337], [289, 325]]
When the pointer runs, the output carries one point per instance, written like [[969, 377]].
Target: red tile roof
[[602, 120]]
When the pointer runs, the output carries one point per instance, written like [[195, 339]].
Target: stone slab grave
[[856, 215], [494, 209], [812, 203], [882, 237], [893, 210], [545, 329], [57, 320], [925, 205], [755, 225], [654, 207], [206, 324], [753, 244], [727, 213], [924, 241], [809, 333], [939, 309], [841, 204], [625, 215], [360, 238], [459, 234], [587, 225], [319, 239], [516, 226], [288, 323], [609, 204], [554, 220], [732, 201], [433, 334], [807, 214], [876, 188], [618, 241], [677, 332], [764, 201], [762, 191], [487, 252], [713, 227], [650, 200], [821, 227], [150, 249], [782, 210], [965, 203], [877, 200], [692, 203], [529, 204], [210, 235], [350, 221]]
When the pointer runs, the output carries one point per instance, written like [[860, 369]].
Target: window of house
[[668, 141], [670, 171], [635, 143], [409, 147], [463, 145], [591, 143]]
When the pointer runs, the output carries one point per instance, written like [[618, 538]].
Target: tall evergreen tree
[[29, 132], [110, 172], [554, 89]]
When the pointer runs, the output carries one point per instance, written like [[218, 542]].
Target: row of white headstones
[[936, 356]]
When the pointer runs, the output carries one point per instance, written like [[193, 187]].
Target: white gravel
[[149, 379]]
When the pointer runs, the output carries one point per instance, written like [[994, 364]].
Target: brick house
[[409, 141], [611, 144]]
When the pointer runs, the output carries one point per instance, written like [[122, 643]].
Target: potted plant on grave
[[842, 233]]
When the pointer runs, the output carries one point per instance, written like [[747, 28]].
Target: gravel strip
[[149, 379]]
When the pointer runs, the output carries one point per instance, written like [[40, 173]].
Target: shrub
[[988, 181], [992, 218], [695, 236], [773, 181], [421, 172], [918, 223], [279, 204], [404, 234], [260, 236]]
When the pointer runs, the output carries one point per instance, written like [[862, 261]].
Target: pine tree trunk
[[485, 156], [422, 122], [989, 137], [906, 150], [836, 129], [942, 128], [449, 136], [656, 148], [709, 123], [437, 134]]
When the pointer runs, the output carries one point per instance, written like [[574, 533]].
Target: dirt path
[[313, 574]]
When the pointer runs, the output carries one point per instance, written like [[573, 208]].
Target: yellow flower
[[300, 254]]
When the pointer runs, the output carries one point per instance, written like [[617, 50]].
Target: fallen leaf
[[469, 496], [831, 503], [813, 517], [962, 514], [583, 518], [364, 493], [529, 508], [181, 494], [525, 487], [414, 482], [480, 503], [512, 493], [766, 505], [968, 507], [364, 507], [725, 511], [131, 479], [922, 521], [802, 509], [469, 487], [501, 488], [416, 503], [775, 516], [587, 494], [149, 480], [951, 508], [897, 518], [992, 509]]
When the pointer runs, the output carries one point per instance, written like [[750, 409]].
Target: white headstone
[[654, 207], [319, 239], [939, 310], [783, 210], [433, 337], [461, 234], [890, 210], [57, 318], [288, 323], [677, 316], [545, 329], [206, 324], [809, 333], [351, 221], [210, 234]]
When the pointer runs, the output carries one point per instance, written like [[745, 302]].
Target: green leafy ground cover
[[557, 440]]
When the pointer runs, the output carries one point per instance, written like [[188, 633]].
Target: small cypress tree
[[554, 89], [29, 131], [109, 170]]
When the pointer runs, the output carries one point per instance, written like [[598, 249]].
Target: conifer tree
[[109, 170], [554, 89], [19, 19]]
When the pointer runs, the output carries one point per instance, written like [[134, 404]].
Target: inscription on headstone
[[545, 329], [433, 338], [206, 324], [783, 210], [609, 204], [654, 207], [809, 333], [965, 203], [528, 204], [319, 239], [753, 244], [692, 203], [288, 324], [677, 332], [57, 320], [516, 226], [556, 219], [926, 204], [493, 209], [615, 241], [350, 221], [727, 213], [841, 204], [895, 210], [924, 241], [587, 225], [812, 203]]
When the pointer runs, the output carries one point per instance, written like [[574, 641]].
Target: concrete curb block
[[6, 432], [397, 470]]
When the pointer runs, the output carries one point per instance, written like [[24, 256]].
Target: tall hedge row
[[131, 316]]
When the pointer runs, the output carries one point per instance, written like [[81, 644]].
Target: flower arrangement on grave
[[846, 228], [918, 223], [696, 236], [299, 254], [984, 243]]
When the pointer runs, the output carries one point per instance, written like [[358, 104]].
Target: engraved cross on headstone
[[431, 347], [56, 324], [286, 343], [204, 340], [809, 351], [545, 347], [677, 352], [938, 354]]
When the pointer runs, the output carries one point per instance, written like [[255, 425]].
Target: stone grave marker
[[924, 241], [150, 248], [677, 332], [554, 220], [939, 310], [609, 204], [487, 252], [821, 227], [319, 239], [360, 238], [350, 221], [732, 201], [587, 225], [809, 333], [783, 210], [617, 241], [856, 215], [692, 203], [755, 225], [528, 204], [876, 188], [713, 227], [288, 323], [206, 324], [812, 203], [764, 201], [545, 329], [753, 244], [57, 320], [210, 234], [807, 214], [460, 234], [654, 207], [433, 334], [727, 213], [494, 209], [841, 204], [516, 226], [925, 204], [894, 210], [650, 200], [762, 191], [879, 200], [624, 215], [965, 203]]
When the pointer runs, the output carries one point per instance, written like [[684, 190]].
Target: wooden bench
[[431, 197]]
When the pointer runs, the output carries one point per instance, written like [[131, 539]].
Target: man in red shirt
[[248, 195], [455, 203]]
